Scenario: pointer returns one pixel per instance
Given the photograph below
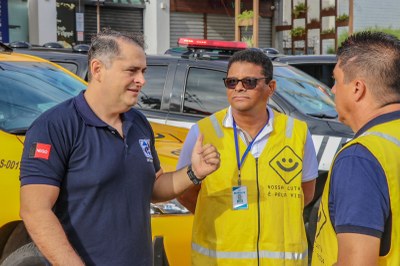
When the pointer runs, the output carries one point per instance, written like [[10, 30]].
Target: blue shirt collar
[[378, 120], [86, 113]]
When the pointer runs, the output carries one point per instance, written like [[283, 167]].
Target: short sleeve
[[310, 163], [359, 197], [44, 157], [185, 155]]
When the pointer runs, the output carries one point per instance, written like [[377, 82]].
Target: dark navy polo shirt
[[105, 181], [359, 198]]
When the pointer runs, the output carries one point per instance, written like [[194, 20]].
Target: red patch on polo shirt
[[42, 151]]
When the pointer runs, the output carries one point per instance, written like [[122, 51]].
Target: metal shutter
[[117, 18], [265, 33], [185, 25], [220, 27]]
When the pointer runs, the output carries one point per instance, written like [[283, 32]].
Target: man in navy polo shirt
[[359, 216], [90, 170]]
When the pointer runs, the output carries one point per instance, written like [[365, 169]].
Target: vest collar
[[228, 123], [378, 120]]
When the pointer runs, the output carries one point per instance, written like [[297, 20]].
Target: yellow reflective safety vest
[[271, 230], [383, 141]]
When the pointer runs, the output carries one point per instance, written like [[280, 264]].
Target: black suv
[[319, 66]]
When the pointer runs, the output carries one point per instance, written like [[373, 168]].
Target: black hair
[[254, 56], [375, 57], [104, 45]]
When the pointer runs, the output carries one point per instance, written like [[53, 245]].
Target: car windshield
[[305, 93], [28, 89]]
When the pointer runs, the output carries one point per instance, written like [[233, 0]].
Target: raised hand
[[205, 158]]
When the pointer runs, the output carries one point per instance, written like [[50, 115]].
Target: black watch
[[192, 176]]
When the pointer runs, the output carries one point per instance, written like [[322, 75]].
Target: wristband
[[192, 176]]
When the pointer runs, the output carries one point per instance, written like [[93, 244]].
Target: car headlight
[[169, 207]]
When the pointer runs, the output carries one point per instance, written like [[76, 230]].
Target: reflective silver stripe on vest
[[289, 127], [383, 135], [250, 254], [216, 126]]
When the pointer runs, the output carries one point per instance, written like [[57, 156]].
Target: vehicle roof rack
[[200, 49], [211, 44], [20, 44], [5, 48]]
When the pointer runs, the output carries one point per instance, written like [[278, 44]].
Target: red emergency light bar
[[214, 44]]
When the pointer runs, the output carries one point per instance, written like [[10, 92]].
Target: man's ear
[[359, 89], [96, 67], [272, 87]]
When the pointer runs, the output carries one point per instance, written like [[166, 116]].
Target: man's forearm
[[170, 185], [49, 236]]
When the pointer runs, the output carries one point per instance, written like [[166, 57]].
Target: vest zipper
[[258, 215]]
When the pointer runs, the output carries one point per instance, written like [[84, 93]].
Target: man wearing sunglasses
[[250, 211]]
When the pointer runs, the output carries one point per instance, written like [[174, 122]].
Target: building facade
[[164, 21]]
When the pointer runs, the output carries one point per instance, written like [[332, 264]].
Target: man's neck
[[372, 113], [101, 109], [250, 122]]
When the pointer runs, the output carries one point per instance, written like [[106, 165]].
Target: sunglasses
[[248, 83]]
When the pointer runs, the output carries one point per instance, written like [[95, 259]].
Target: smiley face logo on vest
[[287, 164]]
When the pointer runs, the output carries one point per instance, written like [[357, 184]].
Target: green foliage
[[247, 14], [298, 31], [342, 36], [330, 50], [248, 41], [328, 31], [343, 17], [299, 8], [395, 32], [329, 8]]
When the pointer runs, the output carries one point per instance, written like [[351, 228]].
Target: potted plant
[[342, 20], [298, 33], [314, 24], [299, 10], [328, 11], [246, 18], [328, 34]]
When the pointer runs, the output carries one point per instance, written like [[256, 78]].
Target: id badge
[[239, 198]]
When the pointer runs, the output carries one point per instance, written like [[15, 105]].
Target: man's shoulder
[[59, 112], [355, 150]]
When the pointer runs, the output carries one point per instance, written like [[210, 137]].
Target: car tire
[[27, 255]]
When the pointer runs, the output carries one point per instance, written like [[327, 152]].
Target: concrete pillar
[[156, 26], [42, 21]]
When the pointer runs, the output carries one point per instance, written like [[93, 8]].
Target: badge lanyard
[[238, 160], [239, 193]]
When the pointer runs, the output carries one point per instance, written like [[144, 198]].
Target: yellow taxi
[[29, 86]]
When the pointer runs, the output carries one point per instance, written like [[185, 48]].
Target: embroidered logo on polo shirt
[[40, 151], [145, 144]]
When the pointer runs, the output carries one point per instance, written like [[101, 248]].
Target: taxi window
[[70, 66], [28, 89], [205, 92]]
